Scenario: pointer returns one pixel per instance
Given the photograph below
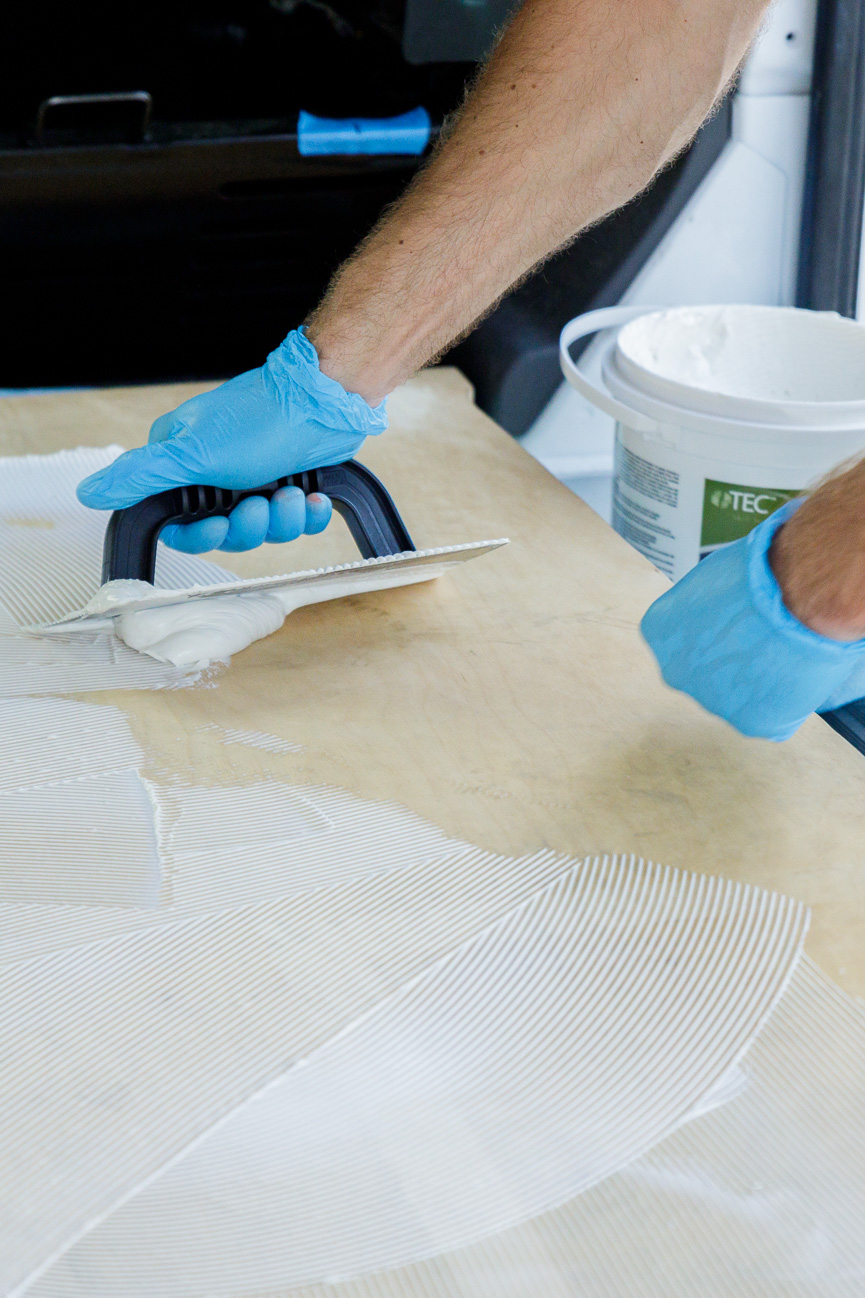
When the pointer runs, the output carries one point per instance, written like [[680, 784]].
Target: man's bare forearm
[[818, 558], [581, 104]]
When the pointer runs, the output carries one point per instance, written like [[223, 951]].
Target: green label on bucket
[[730, 510]]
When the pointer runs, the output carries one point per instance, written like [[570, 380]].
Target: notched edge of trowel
[[445, 556]]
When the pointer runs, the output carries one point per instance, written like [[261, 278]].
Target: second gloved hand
[[724, 635], [280, 419]]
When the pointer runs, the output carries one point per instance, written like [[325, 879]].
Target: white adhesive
[[261, 842], [74, 664], [482, 1039], [76, 822], [194, 627], [763, 1196], [253, 739], [195, 635], [187, 1022], [89, 840], [545, 1053], [732, 351], [50, 564], [49, 740]]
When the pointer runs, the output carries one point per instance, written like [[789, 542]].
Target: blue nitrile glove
[[723, 635], [280, 419]]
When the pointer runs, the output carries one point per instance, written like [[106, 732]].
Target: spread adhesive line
[[647, 982], [530, 1064], [761, 1197], [357, 839]]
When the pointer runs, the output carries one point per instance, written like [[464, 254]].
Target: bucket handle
[[591, 322]]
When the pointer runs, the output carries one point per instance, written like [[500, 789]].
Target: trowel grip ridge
[[129, 550]]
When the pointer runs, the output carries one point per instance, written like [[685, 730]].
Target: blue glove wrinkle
[[132, 476], [295, 363], [167, 425], [267, 423], [723, 635]]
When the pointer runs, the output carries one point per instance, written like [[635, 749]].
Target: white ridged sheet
[[76, 821], [365, 839], [51, 563], [763, 1197], [90, 840], [183, 1025], [254, 739], [48, 740], [544, 1054]]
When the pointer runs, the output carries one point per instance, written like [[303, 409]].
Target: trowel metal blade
[[363, 574]]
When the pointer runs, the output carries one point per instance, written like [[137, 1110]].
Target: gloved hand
[[282, 418], [723, 635]]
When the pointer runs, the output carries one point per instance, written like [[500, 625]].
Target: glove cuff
[[768, 600], [294, 363]]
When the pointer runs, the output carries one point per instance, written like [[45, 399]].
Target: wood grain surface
[[511, 702]]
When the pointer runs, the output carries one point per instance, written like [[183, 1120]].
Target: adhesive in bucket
[[723, 415]]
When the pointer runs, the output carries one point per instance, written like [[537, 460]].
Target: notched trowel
[[389, 557]]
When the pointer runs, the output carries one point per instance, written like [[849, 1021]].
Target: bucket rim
[[667, 414], [679, 396]]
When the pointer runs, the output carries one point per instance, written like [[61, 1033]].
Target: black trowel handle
[[357, 494]]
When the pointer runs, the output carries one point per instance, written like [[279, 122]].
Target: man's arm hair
[[818, 557], [580, 105]]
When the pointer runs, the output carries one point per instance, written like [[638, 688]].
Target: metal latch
[[121, 117]]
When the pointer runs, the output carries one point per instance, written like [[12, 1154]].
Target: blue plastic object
[[723, 635], [319, 137]]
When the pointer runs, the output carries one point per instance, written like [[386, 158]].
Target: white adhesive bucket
[[723, 413]]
